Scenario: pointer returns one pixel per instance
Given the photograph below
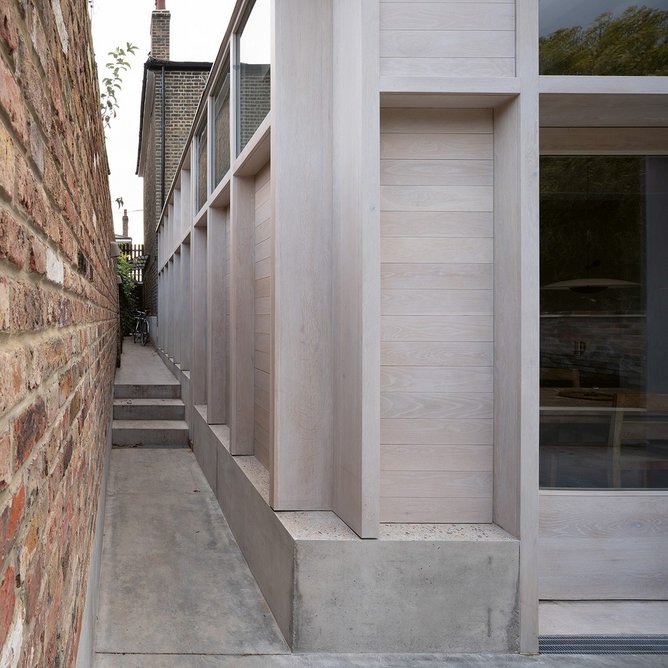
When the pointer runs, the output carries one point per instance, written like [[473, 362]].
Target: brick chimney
[[160, 31], [125, 222]]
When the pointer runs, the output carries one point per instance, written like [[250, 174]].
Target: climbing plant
[[112, 82], [127, 295]]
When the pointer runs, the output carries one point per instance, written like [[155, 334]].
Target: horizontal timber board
[[447, 67], [436, 458], [421, 484], [437, 276], [409, 431], [450, 16], [448, 121], [440, 250], [437, 302], [437, 353], [426, 146], [447, 44], [436, 379], [433, 405], [437, 328], [436, 510], [436, 223]]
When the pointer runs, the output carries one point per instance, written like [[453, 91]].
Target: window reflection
[[604, 322], [254, 71], [604, 37], [202, 193], [222, 130]]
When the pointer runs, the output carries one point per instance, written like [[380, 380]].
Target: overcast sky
[[556, 14], [197, 29]]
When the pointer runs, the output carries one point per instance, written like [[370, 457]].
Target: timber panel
[[437, 315], [263, 312], [447, 38]]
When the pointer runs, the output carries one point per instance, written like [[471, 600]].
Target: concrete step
[[153, 391], [149, 432], [149, 409]]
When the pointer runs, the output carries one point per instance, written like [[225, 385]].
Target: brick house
[[170, 93], [58, 331]]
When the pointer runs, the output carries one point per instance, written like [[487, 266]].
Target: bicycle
[[141, 331]]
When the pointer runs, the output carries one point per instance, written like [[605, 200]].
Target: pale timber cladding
[[447, 38], [437, 298]]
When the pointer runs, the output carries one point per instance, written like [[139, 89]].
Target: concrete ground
[[175, 590]]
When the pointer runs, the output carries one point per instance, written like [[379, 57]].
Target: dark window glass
[[221, 147], [604, 37], [604, 322], [254, 71], [202, 193]]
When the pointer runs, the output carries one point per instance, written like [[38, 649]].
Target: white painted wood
[[356, 286], [437, 223], [434, 276], [441, 353], [186, 307], [437, 274], [435, 172], [434, 510], [436, 121], [301, 136], [516, 318], [436, 405], [217, 323], [436, 458], [447, 44], [436, 198], [242, 320], [263, 306], [603, 85], [447, 67], [446, 16], [444, 250], [603, 546], [437, 302], [198, 323], [437, 328], [436, 146]]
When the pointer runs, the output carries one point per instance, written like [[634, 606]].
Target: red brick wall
[[58, 315]]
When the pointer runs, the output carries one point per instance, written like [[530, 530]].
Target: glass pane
[[202, 193], [604, 322], [254, 71], [604, 37], [222, 119]]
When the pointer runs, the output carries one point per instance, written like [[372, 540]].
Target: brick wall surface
[[183, 90], [58, 325]]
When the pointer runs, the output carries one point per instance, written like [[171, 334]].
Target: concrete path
[[175, 591], [173, 581]]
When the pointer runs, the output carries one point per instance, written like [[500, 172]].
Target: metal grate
[[654, 644]]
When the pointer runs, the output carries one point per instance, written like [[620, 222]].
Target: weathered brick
[[12, 102], [5, 459], [7, 602], [7, 163], [10, 520], [37, 255], [13, 377], [8, 29], [13, 242], [29, 427]]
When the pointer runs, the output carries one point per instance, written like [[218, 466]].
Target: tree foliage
[[127, 295], [633, 44], [112, 83]]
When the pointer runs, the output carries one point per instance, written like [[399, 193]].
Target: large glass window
[[221, 149], [254, 71], [604, 37], [604, 322]]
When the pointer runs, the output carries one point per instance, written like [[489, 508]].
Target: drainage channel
[[602, 644]]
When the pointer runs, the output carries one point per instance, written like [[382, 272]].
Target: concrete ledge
[[418, 588]]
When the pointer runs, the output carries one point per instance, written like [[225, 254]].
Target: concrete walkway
[[175, 590]]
